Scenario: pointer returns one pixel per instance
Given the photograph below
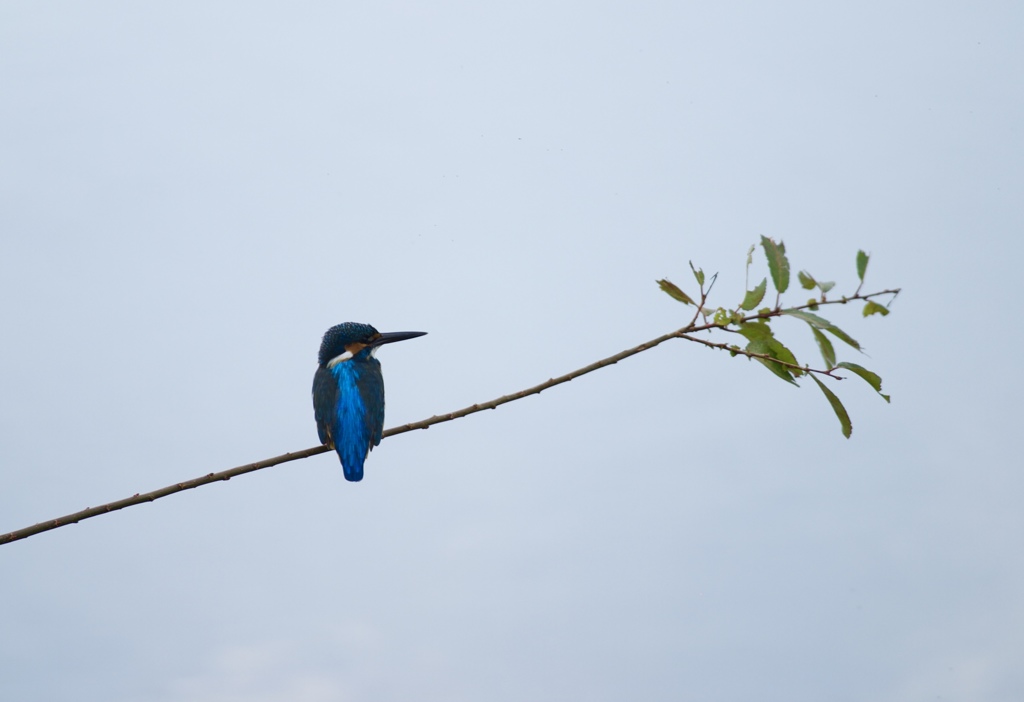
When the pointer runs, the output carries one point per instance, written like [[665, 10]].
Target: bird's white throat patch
[[340, 358]]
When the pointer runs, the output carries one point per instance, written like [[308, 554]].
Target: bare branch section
[[750, 354], [683, 333], [139, 498]]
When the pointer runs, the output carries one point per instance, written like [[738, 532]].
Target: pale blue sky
[[191, 193]]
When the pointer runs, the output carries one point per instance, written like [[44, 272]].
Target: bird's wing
[[372, 390], [325, 399]]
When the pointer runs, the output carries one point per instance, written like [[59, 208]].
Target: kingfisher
[[348, 392]]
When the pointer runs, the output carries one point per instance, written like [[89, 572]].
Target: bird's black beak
[[391, 337]]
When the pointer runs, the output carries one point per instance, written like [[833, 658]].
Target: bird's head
[[344, 342]]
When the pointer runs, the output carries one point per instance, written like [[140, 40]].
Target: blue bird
[[348, 392]]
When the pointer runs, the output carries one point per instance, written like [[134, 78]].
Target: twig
[[750, 354]]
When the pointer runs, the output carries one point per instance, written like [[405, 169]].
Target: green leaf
[[825, 287], [722, 317], [807, 281], [750, 254], [753, 297], [837, 407], [698, 273], [778, 264], [873, 379], [675, 293], [784, 354], [765, 347], [764, 342], [756, 330], [825, 346], [822, 323], [812, 319], [872, 307], [842, 336], [862, 265]]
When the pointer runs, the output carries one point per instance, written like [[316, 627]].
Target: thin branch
[[138, 498], [763, 356], [683, 333]]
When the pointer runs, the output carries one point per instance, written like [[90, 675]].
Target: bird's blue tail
[[353, 470]]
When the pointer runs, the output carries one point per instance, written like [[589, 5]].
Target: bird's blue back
[[348, 400]]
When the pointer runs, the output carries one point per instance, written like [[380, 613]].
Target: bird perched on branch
[[348, 392]]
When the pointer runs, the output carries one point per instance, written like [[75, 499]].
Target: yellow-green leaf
[[871, 307], [872, 379], [698, 273], [674, 292], [807, 281], [837, 407], [778, 264], [753, 297]]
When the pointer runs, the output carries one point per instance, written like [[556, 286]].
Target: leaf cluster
[[753, 323]]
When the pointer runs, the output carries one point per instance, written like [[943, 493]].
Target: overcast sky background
[[192, 192]]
